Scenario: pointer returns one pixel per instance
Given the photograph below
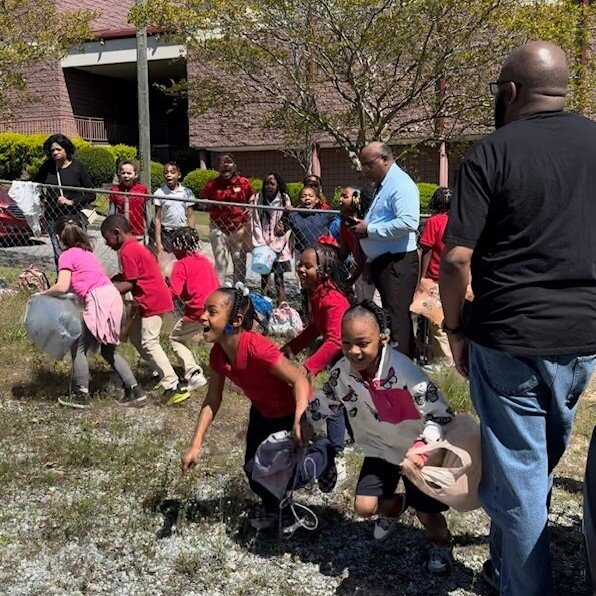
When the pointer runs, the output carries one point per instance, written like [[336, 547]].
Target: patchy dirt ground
[[92, 503]]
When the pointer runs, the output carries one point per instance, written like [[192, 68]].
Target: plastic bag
[[285, 321], [53, 324], [455, 482]]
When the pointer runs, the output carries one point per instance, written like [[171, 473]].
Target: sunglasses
[[494, 86]]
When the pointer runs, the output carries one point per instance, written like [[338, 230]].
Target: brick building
[[91, 93]]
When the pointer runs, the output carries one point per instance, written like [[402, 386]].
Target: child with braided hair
[[392, 407], [193, 279], [278, 392]]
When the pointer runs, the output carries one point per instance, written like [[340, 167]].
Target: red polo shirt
[[193, 279], [432, 237], [251, 371], [235, 190], [149, 288], [136, 206]]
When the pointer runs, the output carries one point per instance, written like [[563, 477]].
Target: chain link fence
[[239, 238]]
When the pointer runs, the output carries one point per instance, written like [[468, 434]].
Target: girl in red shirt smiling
[[320, 274], [278, 392], [128, 183]]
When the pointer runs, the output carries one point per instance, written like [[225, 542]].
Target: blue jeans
[[526, 406]]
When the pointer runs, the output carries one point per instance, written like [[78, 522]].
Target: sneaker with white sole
[[384, 527], [440, 559], [134, 397], [76, 399], [196, 380]]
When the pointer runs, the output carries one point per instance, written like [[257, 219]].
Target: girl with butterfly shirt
[[392, 406], [278, 393]]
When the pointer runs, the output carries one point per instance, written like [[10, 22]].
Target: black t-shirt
[[74, 175], [525, 201]]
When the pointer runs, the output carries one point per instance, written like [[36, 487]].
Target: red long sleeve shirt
[[235, 190], [328, 306], [193, 279]]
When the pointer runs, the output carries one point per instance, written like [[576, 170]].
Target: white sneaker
[[440, 559], [384, 527], [196, 380]]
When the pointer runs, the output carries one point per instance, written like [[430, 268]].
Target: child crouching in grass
[[193, 279], [79, 270], [392, 406], [278, 391]]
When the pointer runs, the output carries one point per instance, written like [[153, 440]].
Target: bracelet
[[452, 331]]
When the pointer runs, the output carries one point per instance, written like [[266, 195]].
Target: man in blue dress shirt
[[387, 236]]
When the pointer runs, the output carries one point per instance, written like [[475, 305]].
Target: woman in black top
[[61, 169]]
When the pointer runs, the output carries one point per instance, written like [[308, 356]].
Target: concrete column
[[202, 159], [316, 162], [443, 165]]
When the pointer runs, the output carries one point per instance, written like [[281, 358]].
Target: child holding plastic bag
[[392, 406], [80, 271]]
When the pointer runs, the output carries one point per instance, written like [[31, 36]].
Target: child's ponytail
[[71, 233]]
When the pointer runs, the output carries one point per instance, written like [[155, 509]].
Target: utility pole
[[143, 104]]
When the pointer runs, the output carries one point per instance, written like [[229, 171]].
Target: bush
[[196, 180], [427, 190], [256, 183], [294, 192], [100, 164], [122, 151], [17, 151], [158, 177]]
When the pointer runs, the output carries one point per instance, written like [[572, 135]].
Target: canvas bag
[[455, 482]]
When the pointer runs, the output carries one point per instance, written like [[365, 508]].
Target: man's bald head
[[534, 79], [376, 159], [540, 67]]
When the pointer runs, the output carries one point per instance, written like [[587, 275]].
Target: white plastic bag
[[53, 324], [26, 196], [285, 321]]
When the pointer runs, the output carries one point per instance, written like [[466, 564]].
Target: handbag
[[455, 482]]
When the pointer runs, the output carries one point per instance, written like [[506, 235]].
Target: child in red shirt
[[141, 276], [278, 392], [319, 271], [193, 279], [431, 244], [128, 174]]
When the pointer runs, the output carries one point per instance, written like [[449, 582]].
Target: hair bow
[[240, 286], [329, 240]]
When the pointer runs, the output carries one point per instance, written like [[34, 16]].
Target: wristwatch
[[452, 331]]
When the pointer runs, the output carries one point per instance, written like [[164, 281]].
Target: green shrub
[[100, 163], [196, 180], [294, 192], [427, 190], [17, 152], [256, 183], [158, 177], [122, 151]]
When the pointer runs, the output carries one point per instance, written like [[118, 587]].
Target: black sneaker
[[328, 479], [490, 576], [134, 397], [76, 399]]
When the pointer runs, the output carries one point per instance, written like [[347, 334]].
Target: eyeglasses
[[369, 164], [494, 87]]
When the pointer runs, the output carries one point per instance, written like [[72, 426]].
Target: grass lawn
[[92, 501]]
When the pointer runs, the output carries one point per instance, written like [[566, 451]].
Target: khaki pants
[[226, 246], [180, 337], [144, 336], [439, 344]]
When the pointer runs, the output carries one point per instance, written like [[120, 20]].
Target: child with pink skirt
[[80, 271]]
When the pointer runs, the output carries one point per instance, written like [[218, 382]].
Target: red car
[[12, 221]]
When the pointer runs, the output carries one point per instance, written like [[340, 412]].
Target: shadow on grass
[[339, 547]]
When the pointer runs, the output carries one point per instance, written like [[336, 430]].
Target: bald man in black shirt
[[522, 219]]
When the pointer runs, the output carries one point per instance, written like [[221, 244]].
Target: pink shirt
[[87, 272]]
